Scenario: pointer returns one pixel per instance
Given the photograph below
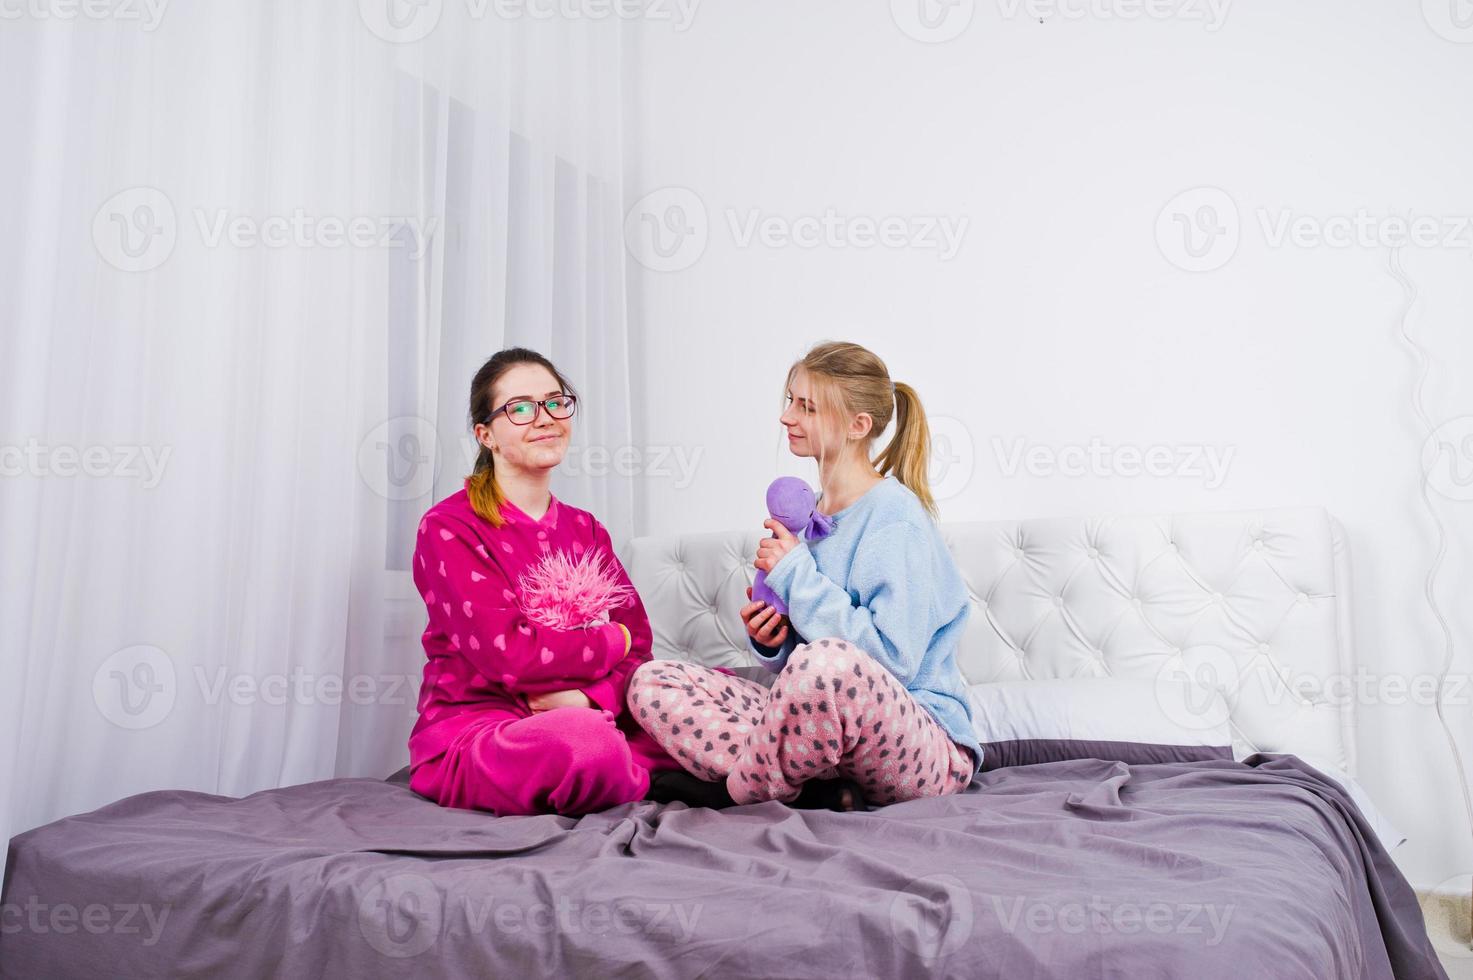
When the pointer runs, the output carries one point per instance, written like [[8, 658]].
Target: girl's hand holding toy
[[764, 623]]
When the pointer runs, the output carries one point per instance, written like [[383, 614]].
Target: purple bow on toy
[[792, 503]]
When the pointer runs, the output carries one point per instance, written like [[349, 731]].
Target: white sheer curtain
[[253, 255]]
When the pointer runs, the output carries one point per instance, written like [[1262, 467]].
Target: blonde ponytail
[[908, 455]]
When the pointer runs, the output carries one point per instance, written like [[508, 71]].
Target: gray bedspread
[[1074, 870]]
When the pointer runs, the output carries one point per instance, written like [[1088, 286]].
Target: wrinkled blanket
[[1076, 869]]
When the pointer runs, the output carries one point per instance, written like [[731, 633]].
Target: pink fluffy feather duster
[[567, 594]]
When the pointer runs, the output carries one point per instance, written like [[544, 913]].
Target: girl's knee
[[821, 658], [658, 673]]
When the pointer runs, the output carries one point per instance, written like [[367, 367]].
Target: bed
[[1257, 865]]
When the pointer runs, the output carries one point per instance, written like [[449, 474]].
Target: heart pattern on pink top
[[546, 655], [500, 641]]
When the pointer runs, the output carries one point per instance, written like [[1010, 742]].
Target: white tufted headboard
[[1256, 601]]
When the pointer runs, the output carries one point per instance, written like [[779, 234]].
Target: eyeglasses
[[523, 411]]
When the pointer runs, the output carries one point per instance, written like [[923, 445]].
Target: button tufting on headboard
[[1255, 599]]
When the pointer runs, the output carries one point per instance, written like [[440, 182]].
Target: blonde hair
[[854, 379]]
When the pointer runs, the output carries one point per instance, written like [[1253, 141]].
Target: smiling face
[[816, 428], [540, 445]]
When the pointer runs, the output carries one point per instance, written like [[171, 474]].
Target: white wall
[[1061, 319]]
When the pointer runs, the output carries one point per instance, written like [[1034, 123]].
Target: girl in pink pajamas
[[517, 718]]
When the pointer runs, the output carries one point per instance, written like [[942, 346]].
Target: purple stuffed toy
[[792, 504]]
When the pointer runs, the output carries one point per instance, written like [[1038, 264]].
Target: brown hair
[[855, 380], [481, 486]]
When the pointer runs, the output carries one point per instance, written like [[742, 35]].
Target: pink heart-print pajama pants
[[832, 711]]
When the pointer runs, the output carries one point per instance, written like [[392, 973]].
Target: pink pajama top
[[483, 656]]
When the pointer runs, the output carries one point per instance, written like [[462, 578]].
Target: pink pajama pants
[[568, 760], [832, 711]]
